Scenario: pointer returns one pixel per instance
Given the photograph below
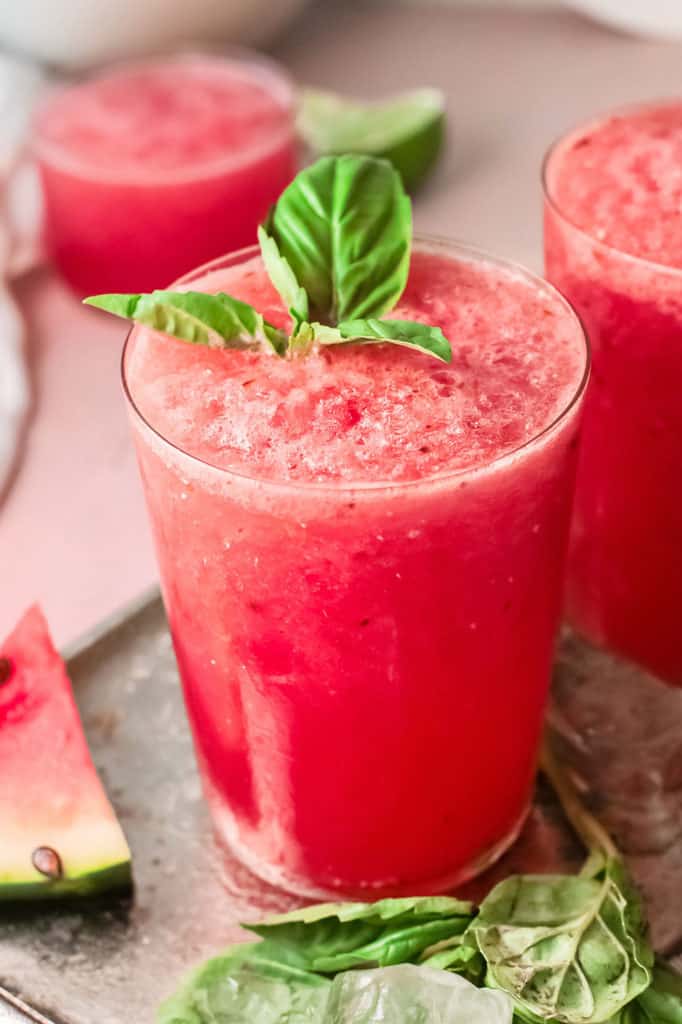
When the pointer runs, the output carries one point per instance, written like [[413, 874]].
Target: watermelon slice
[[59, 835]]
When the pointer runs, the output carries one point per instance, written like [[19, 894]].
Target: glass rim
[[552, 151], [254, 65], [473, 255]]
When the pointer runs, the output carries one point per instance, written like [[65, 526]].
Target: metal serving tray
[[112, 964]]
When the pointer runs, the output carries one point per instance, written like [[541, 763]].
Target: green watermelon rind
[[111, 878]]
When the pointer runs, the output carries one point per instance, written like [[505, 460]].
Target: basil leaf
[[393, 945], [412, 995], [402, 908], [218, 321], [336, 937], [282, 276], [459, 957], [570, 949], [407, 129], [429, 340], [661, 1003], [631, 914], [344, 227], [302, 340], [250, 984]]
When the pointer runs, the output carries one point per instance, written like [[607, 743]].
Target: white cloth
[[20, 84]]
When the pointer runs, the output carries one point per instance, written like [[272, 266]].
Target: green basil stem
[[591, 832]]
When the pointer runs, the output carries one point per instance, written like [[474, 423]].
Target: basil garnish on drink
[[344, 226], [336, 246], [429, 340], [218, 321]]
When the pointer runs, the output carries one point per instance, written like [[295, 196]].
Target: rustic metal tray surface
[[111, 964]]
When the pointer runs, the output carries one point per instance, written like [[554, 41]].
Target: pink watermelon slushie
[[153, 168], [362, 554], [613, 246]]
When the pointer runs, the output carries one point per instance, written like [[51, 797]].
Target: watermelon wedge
[[59, 835]]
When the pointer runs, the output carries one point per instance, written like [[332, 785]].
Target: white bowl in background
[[79, 33], [659, 18]]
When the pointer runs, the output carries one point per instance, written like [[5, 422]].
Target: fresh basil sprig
[[336, 246], [285, 978]]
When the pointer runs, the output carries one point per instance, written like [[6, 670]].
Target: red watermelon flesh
[[58, 832]]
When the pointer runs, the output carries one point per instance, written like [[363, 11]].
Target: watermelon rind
[[93, 882]]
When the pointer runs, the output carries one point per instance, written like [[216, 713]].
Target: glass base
[[240, 858]]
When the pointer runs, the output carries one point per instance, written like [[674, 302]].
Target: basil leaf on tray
[[249, 984], [344, 227], [661, 1003], [559, 949], [408, 994], [218, 321], [400, 908], [335, 937], [407, 129], [566, 948], [458, 956]]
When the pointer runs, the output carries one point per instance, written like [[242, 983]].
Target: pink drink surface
[[616, 188], [620, 180], [375, 412], [153, 168], [365, 664]]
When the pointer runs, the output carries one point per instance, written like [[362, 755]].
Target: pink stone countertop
[[73, 532]]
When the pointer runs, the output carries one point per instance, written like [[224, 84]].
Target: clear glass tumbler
[[365, 667], [624, 587]]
